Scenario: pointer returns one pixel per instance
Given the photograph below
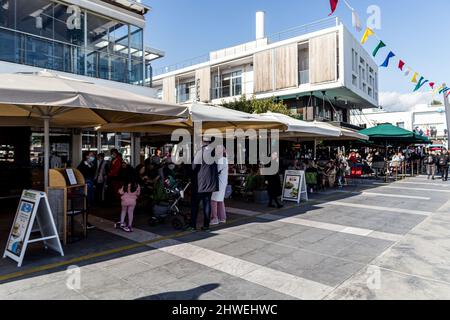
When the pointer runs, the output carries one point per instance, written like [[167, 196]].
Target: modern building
[[320, 71], [100, 41], [427, 119]]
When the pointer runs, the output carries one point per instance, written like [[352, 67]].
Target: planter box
[[261, 197]]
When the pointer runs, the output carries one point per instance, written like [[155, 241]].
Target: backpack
[[430, 160], [442, 161]]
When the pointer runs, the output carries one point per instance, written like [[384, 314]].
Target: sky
[[415, 30]]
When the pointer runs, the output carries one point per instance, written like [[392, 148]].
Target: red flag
[[432, 85], [401, 64], [333, 4]]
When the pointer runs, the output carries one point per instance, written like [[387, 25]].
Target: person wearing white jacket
[[218, 213]]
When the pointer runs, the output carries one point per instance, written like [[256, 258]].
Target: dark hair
[[102, 155], [114, 151], [130, 184]]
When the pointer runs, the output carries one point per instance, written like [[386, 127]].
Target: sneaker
[[205, 229], [118, 225], [90, 226], [190, 229], [214, 222], [127, 229], [222, 221]]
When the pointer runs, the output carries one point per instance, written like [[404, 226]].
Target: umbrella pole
[[46, 151]]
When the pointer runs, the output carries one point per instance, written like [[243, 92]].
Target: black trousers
[[205, 198], [444, 172]]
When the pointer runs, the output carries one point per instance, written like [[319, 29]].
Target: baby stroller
[[170, 207]]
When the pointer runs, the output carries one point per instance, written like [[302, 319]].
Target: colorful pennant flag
[[356, 21], [432, 85], [419, 85], [408, 71], [444, 90], [389, 57], [438, 89], [369, 32], [379, 46], [333, 5], [414, 78], [401, 64]]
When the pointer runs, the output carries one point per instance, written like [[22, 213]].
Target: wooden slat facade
[[322, 54], [169, 88], [263, 71], [203, 78], [286, 67]]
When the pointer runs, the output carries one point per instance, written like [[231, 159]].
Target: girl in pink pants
[[129, 194]]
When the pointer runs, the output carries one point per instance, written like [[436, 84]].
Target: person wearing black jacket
[[204, 183], [443, 162]]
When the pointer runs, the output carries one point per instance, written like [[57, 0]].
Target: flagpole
[[447, 113]]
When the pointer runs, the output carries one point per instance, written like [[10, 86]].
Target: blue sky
[[415, 30]]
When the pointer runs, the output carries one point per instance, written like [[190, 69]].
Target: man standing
[[204, 183], [100, 177], [430, 161], [444, 164]]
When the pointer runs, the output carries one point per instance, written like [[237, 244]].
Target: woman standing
[[218, 213], [274, 185]]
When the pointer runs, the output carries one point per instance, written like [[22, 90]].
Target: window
[[401, 125], [228, 85], [355, 80], [186, 92], [303, 63]]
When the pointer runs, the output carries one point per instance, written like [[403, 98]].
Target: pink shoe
[[127, 229], [214, 222]]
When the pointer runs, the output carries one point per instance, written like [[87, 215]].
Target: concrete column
[[77, 155], [135, 149]]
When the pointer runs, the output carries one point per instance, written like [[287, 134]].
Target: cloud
[[395, 101]]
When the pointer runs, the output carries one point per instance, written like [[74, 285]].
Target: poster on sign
[[294, 186], [71, 176], [33, 215]]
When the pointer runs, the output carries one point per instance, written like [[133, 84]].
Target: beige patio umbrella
[[210, 117], [45, 98]]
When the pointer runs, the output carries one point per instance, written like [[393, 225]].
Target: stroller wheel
[[178, 223]]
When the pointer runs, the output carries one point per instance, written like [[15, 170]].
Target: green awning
[[389, 132]]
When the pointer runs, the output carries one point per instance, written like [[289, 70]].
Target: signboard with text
[[294, 186]]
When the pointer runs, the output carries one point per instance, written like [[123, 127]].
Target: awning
[[390, 133], [210, 117], [302, 128], [73, 103]]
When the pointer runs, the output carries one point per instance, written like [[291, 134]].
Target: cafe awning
[[390, 133], [209, 116], [299, 128]]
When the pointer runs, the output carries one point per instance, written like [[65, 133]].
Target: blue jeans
[[205, 198]]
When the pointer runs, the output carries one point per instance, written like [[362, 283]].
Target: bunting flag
[[401, 64], [408, 71], [444, 90], [333, 5], [414, 78], [356, 21], [438, 89], [379, 46], [419, 85], [432, 85], [369, 32], [389, 57]]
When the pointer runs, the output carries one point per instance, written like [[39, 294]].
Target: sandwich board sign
[[294, 186], [33, 214]]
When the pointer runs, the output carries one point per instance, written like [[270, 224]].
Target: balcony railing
[[226, 91], [303, 77]]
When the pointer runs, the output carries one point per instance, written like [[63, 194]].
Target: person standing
[[129, 194], [444, 164], [204, 183], [114, 172], [218, 213], [100, 177], [88, 168], [274, 185], [430, 162]]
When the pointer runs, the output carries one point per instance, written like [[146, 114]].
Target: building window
[[401, 125], [186, 92], [227, 85], [355, 80], [49, 34], [303, 63]]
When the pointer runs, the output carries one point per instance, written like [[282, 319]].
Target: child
[[129, 194]]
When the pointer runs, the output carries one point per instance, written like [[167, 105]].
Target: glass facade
[[53, 35]]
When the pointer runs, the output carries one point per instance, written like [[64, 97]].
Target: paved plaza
[[367, 241]]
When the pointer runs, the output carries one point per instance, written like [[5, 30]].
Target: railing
[[283, 35], [185, 97], [27, 49], [304, 29], [226, 91], [303, 77]]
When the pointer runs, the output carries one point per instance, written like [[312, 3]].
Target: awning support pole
[[46, 151]]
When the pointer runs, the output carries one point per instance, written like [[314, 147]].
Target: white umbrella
[[65, 102]]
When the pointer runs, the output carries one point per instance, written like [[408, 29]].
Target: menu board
[[71, 176], [33, 209], [294, 186], [20, 227]]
